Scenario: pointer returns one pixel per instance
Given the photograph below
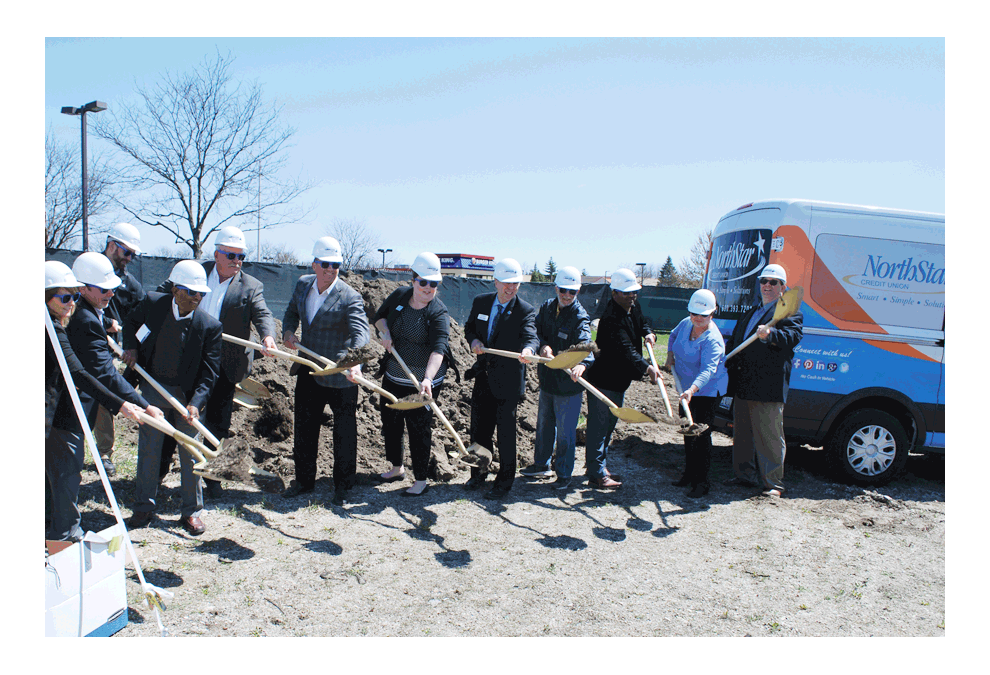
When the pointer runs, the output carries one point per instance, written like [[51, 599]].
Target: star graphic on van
[[759, 244]]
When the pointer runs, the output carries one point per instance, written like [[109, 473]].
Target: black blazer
[[200, 362], [88, 339], [762, 371], [620, 341], [516, 330], [243, 305]]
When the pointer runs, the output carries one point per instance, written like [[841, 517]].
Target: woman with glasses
[[696, 355], [64, 448], [414, 323]]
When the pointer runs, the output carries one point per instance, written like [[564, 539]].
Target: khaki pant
[[103, 432], [758, 445]]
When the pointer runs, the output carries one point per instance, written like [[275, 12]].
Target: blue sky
[[597, 152]]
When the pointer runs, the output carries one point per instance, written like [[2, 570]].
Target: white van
[[868, 378]]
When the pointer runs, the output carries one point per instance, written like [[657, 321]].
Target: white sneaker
[[536, 472]]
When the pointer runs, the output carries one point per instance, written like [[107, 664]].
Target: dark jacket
[[125, 298], [89, 343], [559, 331], [55, 389], [620, 342], [437, 318], [200, 361], [516, 330], [762, 371], [243, 305]]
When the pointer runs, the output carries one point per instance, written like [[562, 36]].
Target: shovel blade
[[477, 455], [693, 429], [632, 416], [567, 359], [245, 400], [410, 402], [253, 388]]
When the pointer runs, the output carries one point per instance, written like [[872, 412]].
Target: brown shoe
[[608, 483], [193, 525], [140, 519]]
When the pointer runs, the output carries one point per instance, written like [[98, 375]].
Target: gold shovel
[[187, 443], [248, 392], [476, 455], [562, 361], [630, 415], [278, 352], [334, 368], [787, 305]]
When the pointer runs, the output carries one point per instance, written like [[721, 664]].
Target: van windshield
[[733, 271]]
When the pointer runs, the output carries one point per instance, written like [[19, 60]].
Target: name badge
[[142, 333], [562, 335], [482, 317], [398, 308]]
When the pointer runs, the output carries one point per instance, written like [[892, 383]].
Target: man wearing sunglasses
[[333, 320], [758, 381], [123, 245], [179, 344], [561, 322], [237, 300]]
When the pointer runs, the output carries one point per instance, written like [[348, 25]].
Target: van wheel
[[869, 447]]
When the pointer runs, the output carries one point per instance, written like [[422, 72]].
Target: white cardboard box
[[85, 587]]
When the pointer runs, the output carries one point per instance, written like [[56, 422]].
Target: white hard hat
[[774, 272], [624, 281], [127, 235], [568, 277], [702, 302], [508, 271], [190, 274], [327, 249], [58, 275], [95, 269], [427, 266], [231, 237]]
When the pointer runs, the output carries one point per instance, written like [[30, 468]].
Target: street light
[[92, 106], [383, 251], [642, 272]]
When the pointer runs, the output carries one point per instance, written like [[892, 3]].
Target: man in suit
[[499, 320], [333, 320], [237, 300], [759, 377], [179, 345], [622, 330], [123, 243]]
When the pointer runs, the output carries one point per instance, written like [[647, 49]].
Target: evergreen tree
[[551, 270], [535, 276], [668, 273]]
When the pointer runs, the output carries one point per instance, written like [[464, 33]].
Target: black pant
[[698, 449], [216, 418], [311, 399], [488, 414], [419, 422]]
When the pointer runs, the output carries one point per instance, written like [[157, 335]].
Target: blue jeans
[[556, 425], [601, 423]]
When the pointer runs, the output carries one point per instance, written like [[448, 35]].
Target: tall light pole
[[92, 106], [642, 272], [383, 251]]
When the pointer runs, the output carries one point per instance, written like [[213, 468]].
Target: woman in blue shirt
[[696, 351]]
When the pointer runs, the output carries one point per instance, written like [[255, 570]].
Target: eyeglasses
[[126, 252], [326, 265], [771, 282], [566, 291], [103, 291], [232, 256], [74, 297], [628, 293], [424, 283], [191, 293]]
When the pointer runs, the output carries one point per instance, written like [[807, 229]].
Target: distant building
[[467, 265]]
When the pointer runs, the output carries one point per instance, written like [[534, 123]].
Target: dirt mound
[[265, 435]]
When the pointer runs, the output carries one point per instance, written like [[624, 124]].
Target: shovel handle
[[278, 352], [601, 397], [374, 387], [173, 401], [663, 389], [309, 352], [433, 404], [188, 444], [684, 404]]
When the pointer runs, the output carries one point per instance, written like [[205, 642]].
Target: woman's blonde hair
[[51, 293]]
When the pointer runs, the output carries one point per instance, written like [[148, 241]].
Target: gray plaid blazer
[[340, 324]]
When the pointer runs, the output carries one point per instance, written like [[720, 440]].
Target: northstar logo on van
[[904, 275], [734, 259]]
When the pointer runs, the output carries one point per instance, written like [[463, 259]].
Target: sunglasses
[[771, 282], [232, 256], [126, 252], [566, 291], [326, 265], [191, 293], [628, 294], [424, 283], [74, 297], [103, 291]]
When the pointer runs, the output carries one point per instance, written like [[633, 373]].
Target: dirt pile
[[264, 436]]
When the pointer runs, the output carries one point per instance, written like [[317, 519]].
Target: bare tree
[[691, 271], [358, 243], [277, 253], [195, 147], [178, 252], [63, 192]]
